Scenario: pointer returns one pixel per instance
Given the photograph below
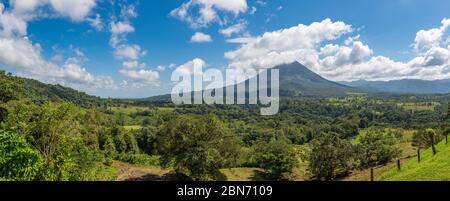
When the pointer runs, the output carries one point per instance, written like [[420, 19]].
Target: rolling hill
[[410, 86], [40, 92]]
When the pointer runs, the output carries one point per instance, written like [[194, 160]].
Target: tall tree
[[197, 146]]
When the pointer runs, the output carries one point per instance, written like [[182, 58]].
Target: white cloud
[[234, 29], [315, 45], [121, 28], [24, 57], [146, 76], [192, 66], [18, 53], [200, 37], [76, 10], [160, 68], [128, 52], [23, 6], [287, 45], [135, 73], [426, 39], [240, 40], [132, 65], [208, 11], [344, 55], [96, 22]]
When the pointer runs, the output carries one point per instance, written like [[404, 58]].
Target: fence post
[[398, 165], [418, 154], [372, 178]]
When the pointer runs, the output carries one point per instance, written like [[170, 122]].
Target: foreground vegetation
[[61, 134]]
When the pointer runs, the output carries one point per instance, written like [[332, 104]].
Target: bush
[[18, 161]]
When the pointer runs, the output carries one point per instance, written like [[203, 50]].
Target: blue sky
[[130, 48]]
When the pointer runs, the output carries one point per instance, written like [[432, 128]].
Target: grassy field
[[129, 109], [133, 109], [431, 168], [133, 127], [430, 106], [166, 109]]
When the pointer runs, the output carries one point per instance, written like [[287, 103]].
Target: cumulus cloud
[[128, 52], [317, 47], [426, 39], [146, 76], [282, 46], [19, 53], [75, 10], [207, 11], [191, 67], [200, 37], [24, 57]]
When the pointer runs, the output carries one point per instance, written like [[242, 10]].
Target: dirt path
[[127, 172]]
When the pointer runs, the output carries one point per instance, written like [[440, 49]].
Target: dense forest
[[53, 133]]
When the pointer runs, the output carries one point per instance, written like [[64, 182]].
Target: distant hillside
[[296, 80], [431, 168], [405, 86], [38, 90]]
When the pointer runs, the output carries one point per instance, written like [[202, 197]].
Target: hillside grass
[[431, 168], [128, 109]]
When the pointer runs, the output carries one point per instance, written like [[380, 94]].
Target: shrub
[[18, 161]]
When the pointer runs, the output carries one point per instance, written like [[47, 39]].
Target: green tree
[[119, 139], [146, 139], [277, 156], [54, 130], [18, 160], [330, 157], [376, 147], [132, 145], [197, 146], [426, 138], [431, 137], [109, 150]]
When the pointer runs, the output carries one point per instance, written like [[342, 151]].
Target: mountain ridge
[[409, 86]]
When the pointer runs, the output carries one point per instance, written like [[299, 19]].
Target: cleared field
[[419, 106], [133, 127], [129, 109], [166, 109]]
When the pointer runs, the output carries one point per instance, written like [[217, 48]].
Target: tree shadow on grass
[[171, 176], [259, 175]]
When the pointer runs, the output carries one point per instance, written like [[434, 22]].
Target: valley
[[89, 138]]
